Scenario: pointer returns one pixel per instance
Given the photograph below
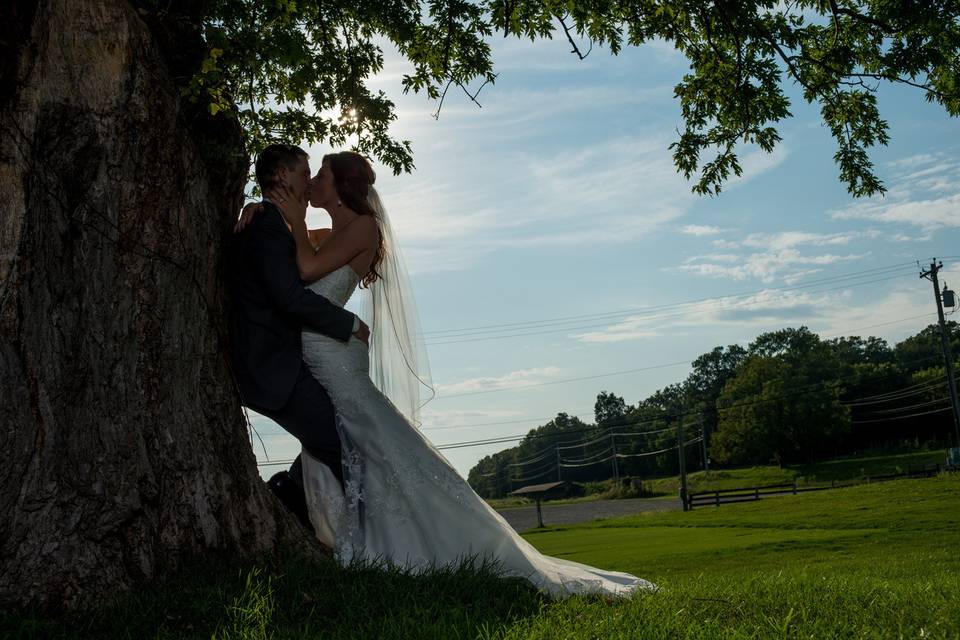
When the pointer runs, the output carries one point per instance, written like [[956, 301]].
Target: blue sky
[[558, 198]]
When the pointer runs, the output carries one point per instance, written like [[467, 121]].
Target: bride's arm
[[317, 237], [358, 237]]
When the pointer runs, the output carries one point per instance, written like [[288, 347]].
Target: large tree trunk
[[123, 442]]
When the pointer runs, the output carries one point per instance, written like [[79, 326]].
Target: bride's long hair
[[353, 178]]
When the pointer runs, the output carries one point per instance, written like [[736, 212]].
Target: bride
[[401, 501]]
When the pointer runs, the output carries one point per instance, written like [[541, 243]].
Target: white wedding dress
[[404, 503]]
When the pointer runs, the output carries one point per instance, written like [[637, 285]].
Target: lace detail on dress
[[350, 530]]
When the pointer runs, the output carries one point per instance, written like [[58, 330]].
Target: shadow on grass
[[297, 598]]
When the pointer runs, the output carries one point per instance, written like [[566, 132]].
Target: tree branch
[[573, 44], [862, 18], [436, 115]]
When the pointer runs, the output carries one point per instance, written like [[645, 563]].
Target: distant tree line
[[788, 397]]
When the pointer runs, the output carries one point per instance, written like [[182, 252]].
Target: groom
[[269, 307]]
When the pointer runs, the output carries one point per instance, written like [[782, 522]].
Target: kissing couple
[[367, 482]]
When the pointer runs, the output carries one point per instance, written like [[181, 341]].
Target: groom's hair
[[270, 159]]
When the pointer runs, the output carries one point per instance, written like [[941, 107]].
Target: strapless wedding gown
[[402, 502]]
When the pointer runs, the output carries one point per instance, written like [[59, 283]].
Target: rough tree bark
[[123, 443]]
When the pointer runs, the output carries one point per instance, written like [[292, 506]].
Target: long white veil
[[398, 357]]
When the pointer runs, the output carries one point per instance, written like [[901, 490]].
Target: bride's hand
[[293, 208], [246, 216]]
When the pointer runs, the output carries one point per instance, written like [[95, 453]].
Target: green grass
[[871, 561]]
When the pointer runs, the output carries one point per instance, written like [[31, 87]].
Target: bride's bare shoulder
[[365, 229]]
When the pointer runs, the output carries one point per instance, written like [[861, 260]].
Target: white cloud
[[505, 381], [456, 419], [767, 266], [911, 162], [790, 239], [714, 257], [924, 192], [760, 309], [700, 230], [903, 237], [928, 214], [770, 257]]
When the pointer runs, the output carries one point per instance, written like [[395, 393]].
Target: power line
[[584, 444], [587, 464], [530, 461], [662, 316], [642, 433], [533, 477], [636, 455], [879, 324], [605, 452], [637, 370], [527, 324], [925, 383], [912, 406], [913, 415], [646, 454], [925, 387], [515, 326], [554, 448], [550, 466]]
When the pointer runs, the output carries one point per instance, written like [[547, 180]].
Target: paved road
[[524, 518]]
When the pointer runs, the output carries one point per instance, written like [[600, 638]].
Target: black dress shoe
[[291, 495]]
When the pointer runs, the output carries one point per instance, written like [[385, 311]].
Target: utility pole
[[682, 452], [703, 444], [557, 449], [616, 468], [931, 275]]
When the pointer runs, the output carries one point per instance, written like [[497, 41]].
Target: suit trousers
[[309, 416]]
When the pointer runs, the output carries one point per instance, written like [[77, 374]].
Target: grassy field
[[872, 561], [844, 470]]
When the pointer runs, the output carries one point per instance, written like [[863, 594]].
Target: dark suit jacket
[[269, 307]]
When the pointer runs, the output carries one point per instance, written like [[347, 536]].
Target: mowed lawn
[[871, 561]]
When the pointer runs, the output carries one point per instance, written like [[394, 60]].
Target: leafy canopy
[[300, 69]]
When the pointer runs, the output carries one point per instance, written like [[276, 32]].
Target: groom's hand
[[292, 206], [363, 333]]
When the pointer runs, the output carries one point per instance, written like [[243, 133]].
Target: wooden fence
[[749, 494]]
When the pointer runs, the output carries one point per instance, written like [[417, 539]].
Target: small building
[[538, 492]]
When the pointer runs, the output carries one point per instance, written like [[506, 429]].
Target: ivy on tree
[[300, 69]]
